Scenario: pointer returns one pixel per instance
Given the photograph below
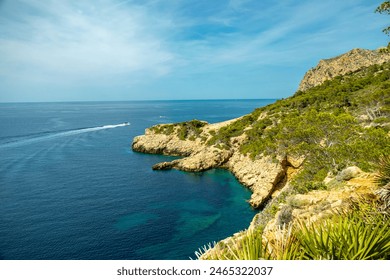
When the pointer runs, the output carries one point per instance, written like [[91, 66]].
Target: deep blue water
[[72, 188]]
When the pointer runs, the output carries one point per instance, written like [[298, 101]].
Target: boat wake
[[49, 136]]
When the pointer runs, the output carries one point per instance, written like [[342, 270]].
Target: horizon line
[[137, 100]]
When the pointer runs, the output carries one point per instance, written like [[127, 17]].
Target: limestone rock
[[164, 165], [295, 162], [319, 204], [205, 159], [164, 144], [348, 173], [199, 161], [351, 61], [261, 176]]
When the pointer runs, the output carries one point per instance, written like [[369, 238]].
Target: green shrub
[[285, 216], [184, 130]]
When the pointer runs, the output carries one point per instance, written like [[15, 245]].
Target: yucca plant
[[384, 197], [346, 237], [283, 243], [248, 246], [357, 232], [383, 176], [383, 180], [204, 249]]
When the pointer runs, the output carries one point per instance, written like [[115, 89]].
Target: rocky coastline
[[299, 141], [261, 176]]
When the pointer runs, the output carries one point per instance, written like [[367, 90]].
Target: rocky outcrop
[[205, 159], [351, 61], [349, 185], [156, 143], [261, 175]]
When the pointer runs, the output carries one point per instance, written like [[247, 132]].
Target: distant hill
[[351, 61]]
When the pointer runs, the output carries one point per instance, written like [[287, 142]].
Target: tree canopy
[[384, 8]]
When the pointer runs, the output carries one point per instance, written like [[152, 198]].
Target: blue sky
[[57, 50]]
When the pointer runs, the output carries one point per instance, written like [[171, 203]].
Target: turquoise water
[[72, 188]]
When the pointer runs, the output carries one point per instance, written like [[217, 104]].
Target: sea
[[71, 188]]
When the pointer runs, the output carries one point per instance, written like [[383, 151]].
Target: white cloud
[[73, 41]]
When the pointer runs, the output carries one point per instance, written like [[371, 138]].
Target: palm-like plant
[[383, 180], [347, 237]]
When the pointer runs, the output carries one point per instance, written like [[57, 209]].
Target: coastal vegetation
[[342, 122], [360, 233], [185, 130], [317, 163], [383, 180], [330, 198]]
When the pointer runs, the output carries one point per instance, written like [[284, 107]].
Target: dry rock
[[351, 61]]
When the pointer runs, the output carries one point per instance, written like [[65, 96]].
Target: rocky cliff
[[351, 61]]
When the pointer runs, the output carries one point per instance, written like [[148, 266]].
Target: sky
[[98, 50]]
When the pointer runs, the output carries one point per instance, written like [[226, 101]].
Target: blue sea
[[72, 188]]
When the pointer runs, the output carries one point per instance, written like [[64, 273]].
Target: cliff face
[[351, 61]]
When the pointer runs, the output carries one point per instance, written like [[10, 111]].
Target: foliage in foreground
[[347, 237], [383, 176], [359, 234], [384, 8]]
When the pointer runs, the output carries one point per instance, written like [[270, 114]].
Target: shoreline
[[262, 176]]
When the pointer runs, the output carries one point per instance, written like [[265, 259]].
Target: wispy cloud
[[74, 41], [136, 44], [301, 31]]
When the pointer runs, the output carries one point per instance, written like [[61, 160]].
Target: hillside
[[340, 123], [303, 157]]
